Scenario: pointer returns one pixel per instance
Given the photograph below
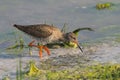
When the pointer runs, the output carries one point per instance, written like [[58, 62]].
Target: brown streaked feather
[[38, 31]]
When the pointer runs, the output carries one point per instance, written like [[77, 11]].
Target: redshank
[[44, 34]]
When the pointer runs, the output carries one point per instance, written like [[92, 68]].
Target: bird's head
[[71, 37]]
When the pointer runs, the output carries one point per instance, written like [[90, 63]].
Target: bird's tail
[[15, 25], [20, 27]]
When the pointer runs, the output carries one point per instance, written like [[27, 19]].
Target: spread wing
[[39, 31]]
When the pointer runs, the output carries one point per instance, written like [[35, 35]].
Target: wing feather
[[39, 31]]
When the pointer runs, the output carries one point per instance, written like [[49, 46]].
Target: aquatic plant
[[18, 44], [6, 78], [93, 72], [98, 71], [19, 73], [70, 44], [106, 5], [76, 31], [33, 70]]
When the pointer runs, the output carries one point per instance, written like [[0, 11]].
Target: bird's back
[[40, 30]]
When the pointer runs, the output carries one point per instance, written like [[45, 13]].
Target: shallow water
[[75, 13]]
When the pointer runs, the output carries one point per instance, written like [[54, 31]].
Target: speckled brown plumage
[[42, 31], [47, 33]]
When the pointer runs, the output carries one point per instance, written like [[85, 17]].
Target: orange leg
[[40, 47], [46, 49], [40, 51], [31, 43]]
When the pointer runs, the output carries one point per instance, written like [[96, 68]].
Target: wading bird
[[44, 34]]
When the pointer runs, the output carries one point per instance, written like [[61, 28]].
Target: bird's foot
[[41, 47], [46, 49]]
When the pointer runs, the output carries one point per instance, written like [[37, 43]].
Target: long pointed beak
[[78, 46]]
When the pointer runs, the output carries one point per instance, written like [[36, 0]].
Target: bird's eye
[[74, 38]]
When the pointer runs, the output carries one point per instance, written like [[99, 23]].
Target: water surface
[[75, 13]]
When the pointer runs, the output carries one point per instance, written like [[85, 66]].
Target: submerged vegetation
[[101, 72], [107, 71]]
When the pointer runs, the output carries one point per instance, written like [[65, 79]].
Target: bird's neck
[[64, 37]]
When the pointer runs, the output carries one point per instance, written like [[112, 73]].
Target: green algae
[[101, 6], [99, 71]]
